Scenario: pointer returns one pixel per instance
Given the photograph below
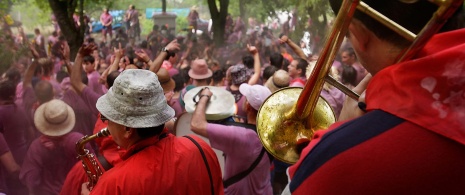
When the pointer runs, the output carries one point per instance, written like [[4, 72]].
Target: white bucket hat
[[222, 104], [255, 94], [136, 100], [54, 118]]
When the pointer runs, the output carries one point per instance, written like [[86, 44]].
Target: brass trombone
[[291, 115]]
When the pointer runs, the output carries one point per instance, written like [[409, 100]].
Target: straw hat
[[222, 104], [54, 118], [280, 79], [167, 83], [136, 100], [199, 70]]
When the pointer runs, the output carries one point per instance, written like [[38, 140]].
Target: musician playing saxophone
[[411, 138], [155, 162]]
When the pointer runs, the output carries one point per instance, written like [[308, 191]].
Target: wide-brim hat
[[136, 100], [54, 118], [167, 83], [280, 79], [221, 105], [199, 70]]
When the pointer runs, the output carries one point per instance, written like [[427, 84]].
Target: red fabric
[[169, 166], [425, 154], [428, 91], [107, 147]]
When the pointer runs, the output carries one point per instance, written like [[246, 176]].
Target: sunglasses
[[103, 118]]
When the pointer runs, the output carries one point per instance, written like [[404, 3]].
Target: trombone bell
[[279, 125]]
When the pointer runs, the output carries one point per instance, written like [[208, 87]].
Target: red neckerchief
[[428, 90], [143, 144]]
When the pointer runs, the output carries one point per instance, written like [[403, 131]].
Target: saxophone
[[90, 163]]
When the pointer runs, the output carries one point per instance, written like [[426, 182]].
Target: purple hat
[[240, 74]]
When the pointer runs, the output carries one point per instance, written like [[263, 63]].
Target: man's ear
[[129, 132], [359, 35]]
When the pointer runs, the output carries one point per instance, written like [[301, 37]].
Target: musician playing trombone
[[410, 137]]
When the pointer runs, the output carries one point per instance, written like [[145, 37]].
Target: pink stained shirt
[[241, 147]]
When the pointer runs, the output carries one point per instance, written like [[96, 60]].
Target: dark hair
[[276, 60], [144, 44], [88, 59], [248, 61], [350, 51], [218, 75], [44, 91], [150, 131], [61, 75], [349, 75], [179, 81], [7, 90], [412, 16], [268, 72], [155, 27], [111, 77], [84, 78], [13, 75], [302, 65]]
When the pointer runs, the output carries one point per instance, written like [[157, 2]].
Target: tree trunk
[[242, 13], [218, 19], [63, 11], [163, 6]]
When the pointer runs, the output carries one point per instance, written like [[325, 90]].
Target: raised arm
[[76, 72], [172, 47], [256, 66], [27, 82], [297, 50], [199, 121], [118, 55]]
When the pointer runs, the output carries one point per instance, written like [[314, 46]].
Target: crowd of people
[[403, 136]]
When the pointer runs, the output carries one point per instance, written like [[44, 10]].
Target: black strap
[[204, 160], [243, 174]]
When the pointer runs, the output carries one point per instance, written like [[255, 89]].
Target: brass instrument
[[89, 161], [290, 116]]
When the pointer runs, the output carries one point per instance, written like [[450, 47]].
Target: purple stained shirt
[[335, 98], [3, 172], [241, 147], [85, 119], [93, 82], [48, 161], [106, 18], [90, 98], [14, 124]]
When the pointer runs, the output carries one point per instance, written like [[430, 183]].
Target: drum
[[182, 127]]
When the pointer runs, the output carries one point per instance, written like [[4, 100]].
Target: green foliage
[[33, 14]]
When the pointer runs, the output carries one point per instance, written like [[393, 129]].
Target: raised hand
[[141, 55], [173, 46], [87, 49], [119, 52], [283, 39], [252, 49]]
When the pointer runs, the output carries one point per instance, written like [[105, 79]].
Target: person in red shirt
[[154, 161], [411, 138]]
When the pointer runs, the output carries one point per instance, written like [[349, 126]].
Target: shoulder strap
[[243, 174], [205, 161]]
